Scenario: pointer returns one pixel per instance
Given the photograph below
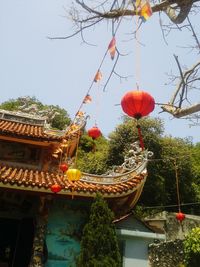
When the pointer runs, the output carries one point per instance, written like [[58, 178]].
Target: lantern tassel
[[140, 136], [94, 146]]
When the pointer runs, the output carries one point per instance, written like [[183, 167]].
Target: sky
[[60, 72]]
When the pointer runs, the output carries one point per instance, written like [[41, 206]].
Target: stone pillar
[[38, 255]]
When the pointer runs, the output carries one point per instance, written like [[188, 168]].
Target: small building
[[135, 237], [40, 226]]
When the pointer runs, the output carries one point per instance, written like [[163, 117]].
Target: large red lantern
[[94, 132], [55, 188], [180, 216], [137, 104]]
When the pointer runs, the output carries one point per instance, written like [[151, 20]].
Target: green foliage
[[14, 104], [99, 245], [176, 153], [92, 155], [160, 187], [196, 169], [161, 181], [192, 248]]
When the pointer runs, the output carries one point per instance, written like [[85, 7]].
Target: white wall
[[136, 252]]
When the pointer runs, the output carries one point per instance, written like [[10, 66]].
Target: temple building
[[42, 212]]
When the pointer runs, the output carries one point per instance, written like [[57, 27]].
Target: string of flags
[[144, 11]]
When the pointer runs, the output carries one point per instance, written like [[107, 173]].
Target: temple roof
[[22, 125], [39, 181], [124, 183], [120, 181], [26, 130]]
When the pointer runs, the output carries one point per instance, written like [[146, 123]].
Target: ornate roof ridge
[[18, 116]]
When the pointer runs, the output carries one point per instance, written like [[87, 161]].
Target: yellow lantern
[[73, 175]]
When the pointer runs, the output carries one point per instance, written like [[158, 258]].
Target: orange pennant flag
[[87, 99], [146, 11], [80, 114], [98, 76], [112, 48]]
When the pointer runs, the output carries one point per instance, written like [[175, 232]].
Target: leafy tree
[[92, 155], [14, 104], [99, 245], [176, 161], [56, 116], [160, 187], [196, 169], [192, 248]]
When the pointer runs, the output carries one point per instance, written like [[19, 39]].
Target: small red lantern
[[94, 132], [137, 104], [64, 167], [180, 216], [55, 188]]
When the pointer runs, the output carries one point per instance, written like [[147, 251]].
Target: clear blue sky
[[60, 72]]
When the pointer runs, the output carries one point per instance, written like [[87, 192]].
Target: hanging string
[[97, 107], [137, 54], [177, 185]]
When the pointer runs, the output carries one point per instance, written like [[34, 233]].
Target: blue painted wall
[[65, 223]]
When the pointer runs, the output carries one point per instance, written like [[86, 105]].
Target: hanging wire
[[171, 206]]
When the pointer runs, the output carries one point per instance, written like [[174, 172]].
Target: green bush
[[192, 248]]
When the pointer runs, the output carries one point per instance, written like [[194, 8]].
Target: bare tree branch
[[186, 81], [181, 112], [177, 10]]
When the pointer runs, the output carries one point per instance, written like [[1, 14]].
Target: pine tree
[[99, 244]]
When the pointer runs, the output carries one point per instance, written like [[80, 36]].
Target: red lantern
[[94, 132], [55, 188], [137, 104], [180, 216], [63, 167]]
